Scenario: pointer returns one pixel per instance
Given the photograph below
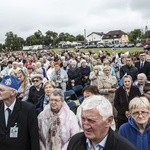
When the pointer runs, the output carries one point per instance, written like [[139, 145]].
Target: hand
[[112, 90]]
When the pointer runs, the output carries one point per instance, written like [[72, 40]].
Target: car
[[100, 46], [139, 45], [130, 45]]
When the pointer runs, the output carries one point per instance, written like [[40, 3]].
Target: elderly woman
[[137, 129], [94, 75], [57, 123], [44, 99], [74, 75], [141, 81], [123, 96], [107, 84]]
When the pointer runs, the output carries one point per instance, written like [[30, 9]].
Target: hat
[[37, 76], [11, 81]]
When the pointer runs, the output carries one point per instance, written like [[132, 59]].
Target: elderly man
[[97, 117], [18, 122]]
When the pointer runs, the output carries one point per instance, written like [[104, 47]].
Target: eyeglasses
[[35, 81], [143, 113]]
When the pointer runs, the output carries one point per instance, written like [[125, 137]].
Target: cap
[[37, 76], [11, 81]]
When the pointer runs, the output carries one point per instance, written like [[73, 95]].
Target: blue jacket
[[130, 131]]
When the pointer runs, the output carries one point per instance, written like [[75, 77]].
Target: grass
[[109, 50]]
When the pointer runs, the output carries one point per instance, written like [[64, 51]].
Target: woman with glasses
[[137, 129], [57, 123]]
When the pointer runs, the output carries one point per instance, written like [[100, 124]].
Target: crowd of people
[[35, 115]]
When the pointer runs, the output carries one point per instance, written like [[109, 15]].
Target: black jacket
[[121, 101], [114, 142], [34, 94], [129, 70], [24, 116], [145, 69]]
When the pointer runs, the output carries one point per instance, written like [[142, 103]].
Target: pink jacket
[[65, 130]]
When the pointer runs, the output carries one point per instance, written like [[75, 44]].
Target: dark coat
[[114, 142], [39, 105], [121, 101], [34, 95], [74, 75], [145, 69], [85, 72], [24, 115]]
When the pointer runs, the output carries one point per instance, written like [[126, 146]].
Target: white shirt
[[97, 147], [11, 107]]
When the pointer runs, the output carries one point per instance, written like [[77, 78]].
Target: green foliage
[[135, 35], [51, 39], [13, 42]]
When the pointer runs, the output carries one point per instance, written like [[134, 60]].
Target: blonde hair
[[50, 83], [141, 102]]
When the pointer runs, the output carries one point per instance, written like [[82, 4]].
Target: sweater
[[131, 132]]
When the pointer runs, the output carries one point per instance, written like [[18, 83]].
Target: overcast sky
[[24, 17]]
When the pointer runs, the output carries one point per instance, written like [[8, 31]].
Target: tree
[[13, 42], [135, 35], [51, 38], [79, 37]]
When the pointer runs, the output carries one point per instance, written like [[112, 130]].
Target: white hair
[[100, 103], [142, 75]]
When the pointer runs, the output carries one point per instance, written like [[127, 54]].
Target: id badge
[[14, 131]]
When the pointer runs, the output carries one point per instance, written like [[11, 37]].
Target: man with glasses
[[36, 90], [137, 129], [18, 121]]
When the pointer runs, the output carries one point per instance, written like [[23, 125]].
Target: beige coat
[[104, 84]]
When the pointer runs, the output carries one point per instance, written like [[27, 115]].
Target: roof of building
[[98, 33], [114, 34]]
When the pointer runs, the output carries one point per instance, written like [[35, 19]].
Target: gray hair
[[142, 75], [58, 92], [100, 103], [139, 102], [127, 76]]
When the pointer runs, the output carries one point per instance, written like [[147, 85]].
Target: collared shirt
[[11, 107], [142, 64], [99, 146]]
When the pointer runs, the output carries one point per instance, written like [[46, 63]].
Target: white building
[[95, 37]]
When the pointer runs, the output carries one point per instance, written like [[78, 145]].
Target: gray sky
[[24, 17]]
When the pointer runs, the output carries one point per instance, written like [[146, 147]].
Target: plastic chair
[[78, 90], [70, 95]]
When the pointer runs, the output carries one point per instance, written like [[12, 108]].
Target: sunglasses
[[35, 81]]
